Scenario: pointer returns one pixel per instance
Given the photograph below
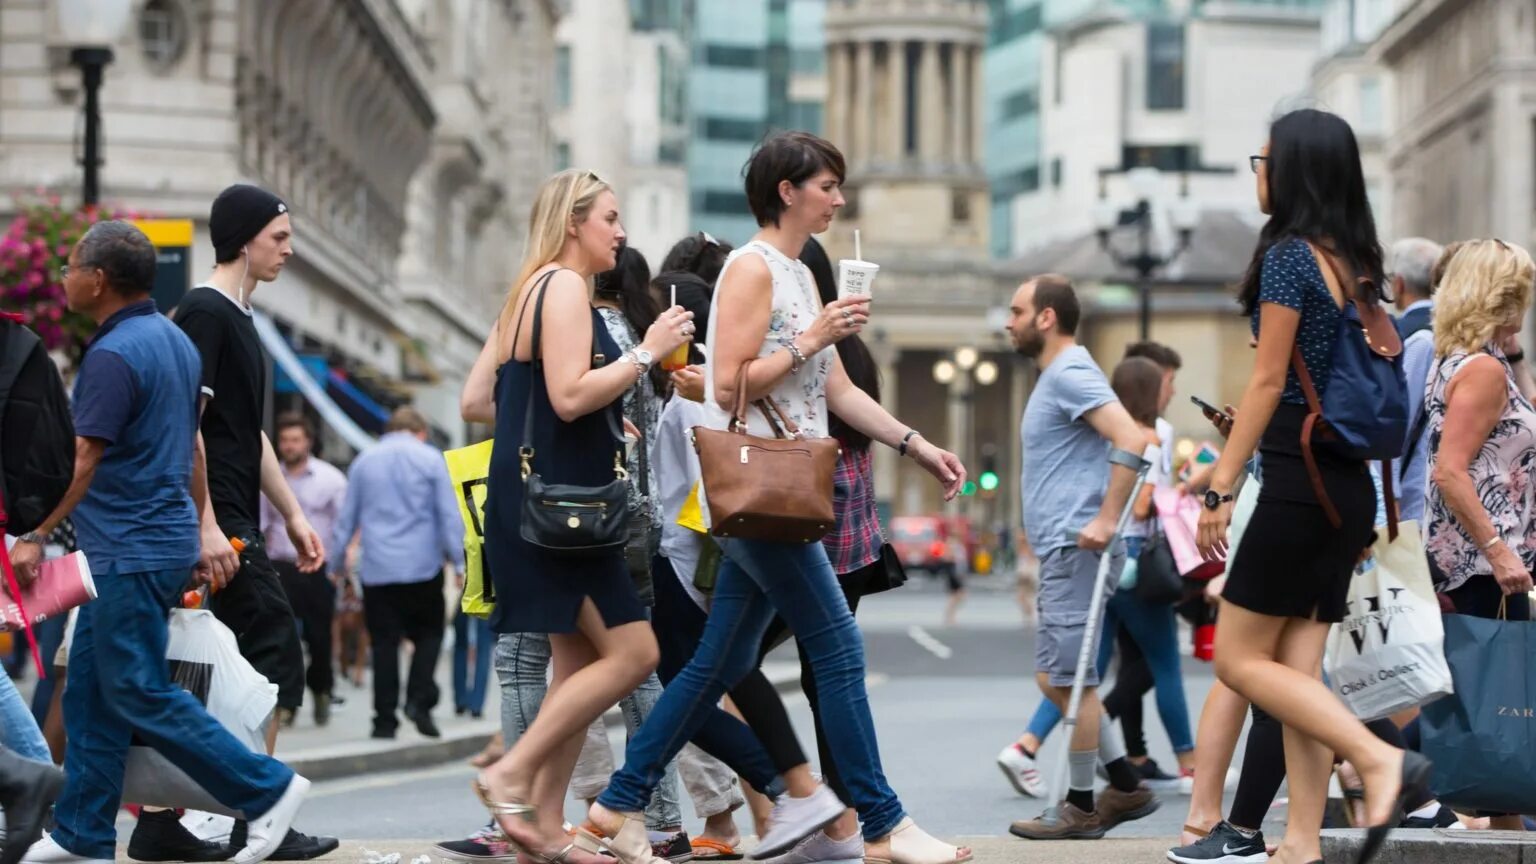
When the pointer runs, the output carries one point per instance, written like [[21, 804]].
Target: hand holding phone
[[1222, 420]]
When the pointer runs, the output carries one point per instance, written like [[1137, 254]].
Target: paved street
[[945, 701]]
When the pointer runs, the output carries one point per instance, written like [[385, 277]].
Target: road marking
[[931, 645]]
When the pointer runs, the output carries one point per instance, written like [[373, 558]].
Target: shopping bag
[[1242, 511], [204, 660], [1180, 515], [1387, 654], [1482, 738], [469, 467]]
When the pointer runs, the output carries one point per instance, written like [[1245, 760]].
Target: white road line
[[931, 645]]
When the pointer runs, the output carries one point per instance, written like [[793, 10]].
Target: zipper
[[574, 505]]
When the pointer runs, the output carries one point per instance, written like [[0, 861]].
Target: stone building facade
[[406, 136]]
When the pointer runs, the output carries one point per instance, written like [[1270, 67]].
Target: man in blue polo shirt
[[136, 473]]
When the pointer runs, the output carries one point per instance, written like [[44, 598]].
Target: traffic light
[[968, 489], [988, 479]]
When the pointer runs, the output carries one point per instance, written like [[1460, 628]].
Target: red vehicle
[[923, 543]]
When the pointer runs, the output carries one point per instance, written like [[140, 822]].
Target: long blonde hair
[[1487, 285], [565, 197]]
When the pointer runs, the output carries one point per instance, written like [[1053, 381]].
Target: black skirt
[[1291, 562]]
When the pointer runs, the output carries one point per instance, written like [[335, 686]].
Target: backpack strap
[[1314, 417]]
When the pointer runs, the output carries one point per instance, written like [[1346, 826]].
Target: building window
[[733, 56], [805, 116], [1371, 120], [960, 207], [562, 76], [910, 54], [721, 203], [1020, 104], [1056, 173], [1163, 157], [163, 32], [1010, 24], [1016, 183], [562, 156], [729, 129], [808, 61], [1165, 66]]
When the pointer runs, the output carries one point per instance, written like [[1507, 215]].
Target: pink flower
[[55, 313]]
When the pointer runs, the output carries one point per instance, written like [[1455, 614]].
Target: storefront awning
[[313, 390]]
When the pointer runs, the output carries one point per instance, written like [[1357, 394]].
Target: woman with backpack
[[1315, 272]]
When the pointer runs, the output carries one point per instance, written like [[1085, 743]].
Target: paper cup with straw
[[678, 357], [855, 277]]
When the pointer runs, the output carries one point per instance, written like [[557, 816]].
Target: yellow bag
[[692, 515], [469, 467]]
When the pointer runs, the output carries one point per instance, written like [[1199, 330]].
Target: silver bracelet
[[632, 358], [796, 359]]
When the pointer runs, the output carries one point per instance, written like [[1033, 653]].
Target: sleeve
[[1287, 267], [1082, 388], [105, 393], [450, 525], [207, 335]]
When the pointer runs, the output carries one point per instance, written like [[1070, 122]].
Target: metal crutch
[[1090, 646]]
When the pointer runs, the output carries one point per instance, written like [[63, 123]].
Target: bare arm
[[1277, 335], [275, 486], [477, 402], [26, 556], [200, 481], [859, 410], [1114, 424]]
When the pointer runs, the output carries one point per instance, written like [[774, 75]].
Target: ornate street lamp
[[1184, 214], [90, 28]]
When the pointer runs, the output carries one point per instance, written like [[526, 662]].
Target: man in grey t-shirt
[[1072, 499]]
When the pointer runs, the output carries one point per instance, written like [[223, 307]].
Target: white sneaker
[[821, 849], [1019, 768], [46, 851], [266, 832], [208, 826], [794, 819]]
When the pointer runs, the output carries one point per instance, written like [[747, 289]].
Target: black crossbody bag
[[564, 519]]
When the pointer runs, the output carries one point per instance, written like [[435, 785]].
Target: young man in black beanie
[[252, 239]]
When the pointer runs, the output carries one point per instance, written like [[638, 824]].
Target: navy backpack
[[1365, 412]]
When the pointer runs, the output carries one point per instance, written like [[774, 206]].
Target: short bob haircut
[[1487, 286], [792, 156]]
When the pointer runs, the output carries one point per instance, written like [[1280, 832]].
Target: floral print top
[[642, 407], [801, 396], [1501, 473]]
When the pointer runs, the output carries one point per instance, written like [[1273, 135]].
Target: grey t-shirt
[[1066, 463]]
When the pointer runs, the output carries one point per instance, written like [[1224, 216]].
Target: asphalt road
[[945, 701]]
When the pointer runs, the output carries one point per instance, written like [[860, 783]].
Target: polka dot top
[[1291, 278]]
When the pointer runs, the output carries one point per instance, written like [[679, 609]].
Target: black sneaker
[[1224, 845], [1155, 777], [295, 846], [1443, 818], [486, 845], [677, 848], [160, 836]]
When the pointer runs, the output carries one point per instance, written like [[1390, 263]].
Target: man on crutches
[[1081, 458]]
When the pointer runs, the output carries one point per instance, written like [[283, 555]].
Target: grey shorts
[[1065, 596]]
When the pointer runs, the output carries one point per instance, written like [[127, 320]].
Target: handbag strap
[[781, 425], [525, 452]]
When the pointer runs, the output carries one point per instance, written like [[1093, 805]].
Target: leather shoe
[[160, 836], [27, 791], [295, 846], [423, 720]]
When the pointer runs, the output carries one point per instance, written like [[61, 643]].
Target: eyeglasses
[[65, 270], [1254, 161]]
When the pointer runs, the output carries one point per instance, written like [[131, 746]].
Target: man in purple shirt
[[321, 490], [400, 499]]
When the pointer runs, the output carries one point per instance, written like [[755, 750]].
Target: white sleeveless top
[[801, 396]]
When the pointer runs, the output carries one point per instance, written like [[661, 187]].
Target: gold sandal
[[631, 845]]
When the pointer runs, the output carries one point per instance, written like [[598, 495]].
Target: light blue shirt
[[1065, 461], [400, 496], [1418, 358]]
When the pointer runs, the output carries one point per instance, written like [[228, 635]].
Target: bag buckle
[[619, 470], [525, 456]]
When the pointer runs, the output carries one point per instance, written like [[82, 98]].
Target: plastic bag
[[1388, 653], [469, 467], [206, 662]]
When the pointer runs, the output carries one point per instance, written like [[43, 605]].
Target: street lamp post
[[961, 373], [1144, 261], [90, 28]]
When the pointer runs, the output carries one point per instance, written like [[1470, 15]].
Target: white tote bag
[[206, 662], [1387, 655]]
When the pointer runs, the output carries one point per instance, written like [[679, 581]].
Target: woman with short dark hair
[[767, 313]]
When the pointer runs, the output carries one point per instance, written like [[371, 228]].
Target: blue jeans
[[120, 687], [50, 635], [1155, 630], [469, 695], [18, 728], [756, 580]]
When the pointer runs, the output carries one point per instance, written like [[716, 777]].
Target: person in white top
[[767, 310]]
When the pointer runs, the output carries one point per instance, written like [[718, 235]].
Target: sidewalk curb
[[1423, 846], [357, 758]]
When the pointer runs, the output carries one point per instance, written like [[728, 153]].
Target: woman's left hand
[[632, 429], [689, 383], [1212, 540], [943, 465]]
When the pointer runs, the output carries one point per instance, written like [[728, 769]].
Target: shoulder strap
[[537, 362]]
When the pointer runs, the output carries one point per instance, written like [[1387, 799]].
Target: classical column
[[955, 117], [930, 106], [863, 97], [977, 106], [896, 101], [837, 95]]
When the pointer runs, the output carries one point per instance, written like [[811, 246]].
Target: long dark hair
[[700, 254], [629, 285], [1317, 193], [857, 361]]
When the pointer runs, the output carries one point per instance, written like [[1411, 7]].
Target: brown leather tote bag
[[776, 489]]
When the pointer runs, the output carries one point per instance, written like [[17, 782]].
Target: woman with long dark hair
[[1289, 578], [767, 313]]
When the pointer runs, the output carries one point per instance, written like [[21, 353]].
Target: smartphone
[[1210, 409]]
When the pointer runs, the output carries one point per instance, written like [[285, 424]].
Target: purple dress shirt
[[322, 491]]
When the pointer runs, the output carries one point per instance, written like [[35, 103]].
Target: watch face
[[1212, 500]]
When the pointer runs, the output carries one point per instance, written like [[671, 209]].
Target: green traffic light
[[988, 481], [969, 488]]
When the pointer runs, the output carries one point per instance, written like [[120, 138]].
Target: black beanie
[[239, 213]]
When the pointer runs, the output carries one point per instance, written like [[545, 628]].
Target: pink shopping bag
[[1180, 518]]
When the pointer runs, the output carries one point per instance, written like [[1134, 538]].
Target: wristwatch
[[1214, 499], [33, 537], [644, 358]]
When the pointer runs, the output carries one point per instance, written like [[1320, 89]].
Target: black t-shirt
[[234, 383]]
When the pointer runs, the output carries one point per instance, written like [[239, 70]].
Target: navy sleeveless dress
[[537, 592]]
